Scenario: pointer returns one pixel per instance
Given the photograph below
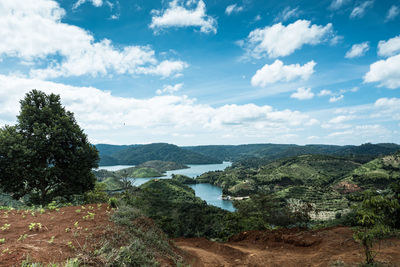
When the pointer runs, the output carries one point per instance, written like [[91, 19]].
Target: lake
[[210, 193], [114, 168]]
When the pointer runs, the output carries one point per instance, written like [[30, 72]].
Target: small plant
[[6, 226], [52, 205], [22, 237], [51, 239], [113, 202], [35, 226], [67, 230], [2, 240], [78, 211], [70, 245], [76, 224], [90, 216]]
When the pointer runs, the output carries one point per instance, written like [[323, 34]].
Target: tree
[[375, 218], [46, 154]]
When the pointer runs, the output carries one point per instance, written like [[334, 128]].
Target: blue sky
[[209, 72]]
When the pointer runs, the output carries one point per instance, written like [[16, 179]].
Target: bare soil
[[70, 231], [56, 235], [287, 247]]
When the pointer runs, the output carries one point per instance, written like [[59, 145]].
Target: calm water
[[210, 193], [115, 167]]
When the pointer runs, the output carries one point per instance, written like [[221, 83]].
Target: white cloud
[[335, 40], [279, 40], [302, 94], [288, 13], [393, 12], [365, 132], [386, 72], [165, 68], [357, 50], [388, 108], [233, 9], [170, 89], [325, 92], [341, 119], [36, 34], [132, 120], [96, 3], [337, 4], [389, 47], [278, 72], [359, 11], [333, 99], [177, 15]]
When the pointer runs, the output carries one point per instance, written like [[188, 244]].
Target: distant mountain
[[258, 153], [269, 152], [137, 154]]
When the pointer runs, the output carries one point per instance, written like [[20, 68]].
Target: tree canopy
[[46, 154]]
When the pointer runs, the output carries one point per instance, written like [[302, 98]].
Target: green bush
[[97, 195]]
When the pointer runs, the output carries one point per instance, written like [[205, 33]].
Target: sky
[[198, 72]]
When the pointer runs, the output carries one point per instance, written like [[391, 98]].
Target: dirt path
[[325, 247]]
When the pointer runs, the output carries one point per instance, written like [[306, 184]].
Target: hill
[[137, 154], [376, 174], [306, 170], [269, 152]]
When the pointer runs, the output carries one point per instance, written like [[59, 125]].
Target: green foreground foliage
[[375, 219]]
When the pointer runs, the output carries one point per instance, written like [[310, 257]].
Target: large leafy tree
[[46, 154]]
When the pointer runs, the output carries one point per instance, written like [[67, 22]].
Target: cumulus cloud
[[156, 117], [359, 11], [337, 4], [96, 3], [385, 72], [334, 99], [233, 9], [279, 40], [357, 50], [325, 92], [392, 13], [170, 89], [180, 15], [303, 94], [389, 47], [278, 72], [36, 34], [341, 119]]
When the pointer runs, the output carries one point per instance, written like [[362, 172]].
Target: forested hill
[[271, 152], [137, 154]]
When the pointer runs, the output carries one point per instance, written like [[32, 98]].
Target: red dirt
[[50, 244], [286, 247]]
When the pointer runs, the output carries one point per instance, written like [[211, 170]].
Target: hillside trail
[[287, 247]]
